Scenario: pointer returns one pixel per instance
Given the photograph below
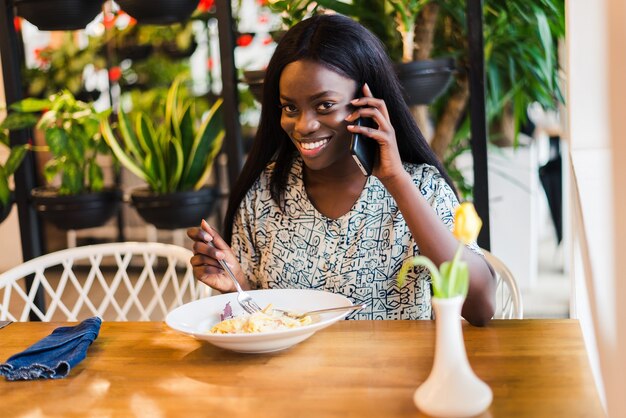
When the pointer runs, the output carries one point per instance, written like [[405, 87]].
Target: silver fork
[[320, 311], [245, 300]]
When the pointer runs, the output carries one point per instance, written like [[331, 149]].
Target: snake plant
[[175, 155]]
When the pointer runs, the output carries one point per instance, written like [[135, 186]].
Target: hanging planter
[[134, 52], [425, 80], [59, 14], [173, 51], [85, 210], [159, 12], [174, 210]]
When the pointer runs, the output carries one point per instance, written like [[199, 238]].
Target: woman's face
[[314, 102]]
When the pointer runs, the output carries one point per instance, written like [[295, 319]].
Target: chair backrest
[[509, 304], [127, 281]]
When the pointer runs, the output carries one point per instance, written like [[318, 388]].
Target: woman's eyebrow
[[313, 97]]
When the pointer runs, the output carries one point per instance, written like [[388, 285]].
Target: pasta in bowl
[[265, 320], [199, 317]]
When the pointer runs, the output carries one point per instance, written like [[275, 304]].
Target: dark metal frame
[[233, 142], [26, 175], [478, 117]]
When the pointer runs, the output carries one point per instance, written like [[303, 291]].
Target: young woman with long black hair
[[303, 215]]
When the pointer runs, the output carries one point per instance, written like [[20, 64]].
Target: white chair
[[509, 304], [127, 281]]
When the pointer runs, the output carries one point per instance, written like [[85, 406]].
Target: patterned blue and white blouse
[[357, 255]]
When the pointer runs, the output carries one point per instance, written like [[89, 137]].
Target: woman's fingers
[[368, 99], [218, 241], [197, 234], [223, 250], [374, 113], [209, 276], [208, 248]]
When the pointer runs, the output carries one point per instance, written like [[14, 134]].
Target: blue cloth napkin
[[53, 356]]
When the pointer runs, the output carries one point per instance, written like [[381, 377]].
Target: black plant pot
[[174, 210], [80, 211], [135, 52], [425, 80], [59, 14], [87, 96], [5, 210], [172, 51], [254, 79], [159, 12]]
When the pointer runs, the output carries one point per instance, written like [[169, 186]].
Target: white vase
[[452, 389]]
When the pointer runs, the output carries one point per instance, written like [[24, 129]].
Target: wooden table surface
[[536, 368]]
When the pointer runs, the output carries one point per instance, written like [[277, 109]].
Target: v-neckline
[[299, 172]]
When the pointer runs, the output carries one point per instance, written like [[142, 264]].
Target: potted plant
[[174, 156], [59, 14], [71, 130], [63, 67]]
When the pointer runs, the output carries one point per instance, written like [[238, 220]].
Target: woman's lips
[[312, 148]]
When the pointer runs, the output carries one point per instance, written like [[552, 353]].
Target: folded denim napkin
[[53, 356]]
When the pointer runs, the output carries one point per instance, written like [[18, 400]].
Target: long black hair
[[347, 48]]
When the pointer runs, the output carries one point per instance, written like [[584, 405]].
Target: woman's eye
[[325, 106], [287, 108]]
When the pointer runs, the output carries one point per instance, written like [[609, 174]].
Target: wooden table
[[536, 368]]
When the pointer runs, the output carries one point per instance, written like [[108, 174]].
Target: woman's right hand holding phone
[[208, 248]]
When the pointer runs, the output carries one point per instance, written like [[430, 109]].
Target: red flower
[[41, 54], [209, 63], [244, 40], [115, 73], [262, 2], [205, 5], [17, 23], [108, 20]]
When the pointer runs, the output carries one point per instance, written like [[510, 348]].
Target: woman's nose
[[307, 124]]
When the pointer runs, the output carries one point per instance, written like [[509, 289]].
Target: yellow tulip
[[467, 224]]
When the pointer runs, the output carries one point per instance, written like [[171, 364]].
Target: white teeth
[[313, 145]]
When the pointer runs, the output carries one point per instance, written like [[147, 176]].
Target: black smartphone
[[364, 149]]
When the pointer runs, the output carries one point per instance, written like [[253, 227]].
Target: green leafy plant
[[72, 134], [452, 277], [15, 158], [14, 121], [175, 155], [62, 67], [292, 12]]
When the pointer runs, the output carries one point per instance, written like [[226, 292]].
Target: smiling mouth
[[310, 146]]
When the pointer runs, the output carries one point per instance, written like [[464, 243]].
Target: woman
[[303, 215]]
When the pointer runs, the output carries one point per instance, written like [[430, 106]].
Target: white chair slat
[[81, 287], [509, 304]]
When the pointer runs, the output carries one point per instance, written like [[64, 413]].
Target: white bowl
[[198, 317]]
